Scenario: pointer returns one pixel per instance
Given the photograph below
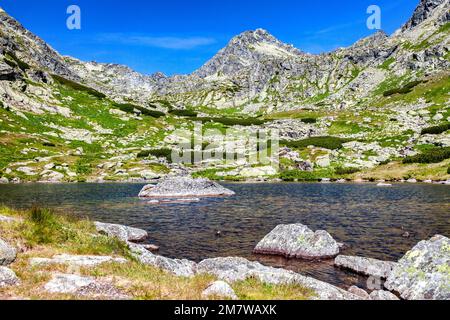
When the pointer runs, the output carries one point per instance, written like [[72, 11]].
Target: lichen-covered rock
[[7, 253], [383, 295], [82, 261], [183, 268], [424, 272], [7, 219], [298, 241], [121, 232], [365, 266], [82, 286], [185, 187], [233, 269], [220, 289], [8, 277]]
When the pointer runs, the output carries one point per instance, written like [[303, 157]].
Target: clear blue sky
[[178, 36]]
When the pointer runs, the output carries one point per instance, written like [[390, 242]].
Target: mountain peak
[[423, 11]]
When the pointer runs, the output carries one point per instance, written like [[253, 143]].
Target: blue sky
[[177, 37]]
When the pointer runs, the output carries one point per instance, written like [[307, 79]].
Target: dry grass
[[41, 233], [399, 171]]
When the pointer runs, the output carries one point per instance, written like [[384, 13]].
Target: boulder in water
[[184, 187], [298, 241]]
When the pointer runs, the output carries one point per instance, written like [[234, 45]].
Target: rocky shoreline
[[421, 274]]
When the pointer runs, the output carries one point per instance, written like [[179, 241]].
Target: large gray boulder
[[121, 232], [7, 277], [383, 295], [7, 253], [298, 241], [366, 266], [424, 272], [184, 187], [239, 269], [183, 268]]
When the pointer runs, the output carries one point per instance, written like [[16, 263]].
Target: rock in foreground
[[220, 289], [182, 268], [240, 269], [424, 272], [366, 266], [7, 253], [7, 277], [185, 187], [121, 232], [298, 241], [82, 261]]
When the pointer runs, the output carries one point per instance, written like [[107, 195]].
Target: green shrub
[[344, 171], [309, 120], [184, 113], [83, 167], [231, 121], [129, 108], [21, 64], [403, 90], [448, 170], [48, 144], [437, 129], [434, 155], [44, 227], [331, 143], [79, 87]]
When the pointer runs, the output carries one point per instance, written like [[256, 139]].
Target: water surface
[[368, 219]]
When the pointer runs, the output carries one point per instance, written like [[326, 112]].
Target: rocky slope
[[64, 119]]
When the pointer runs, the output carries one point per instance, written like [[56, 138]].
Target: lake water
[[370, 220]]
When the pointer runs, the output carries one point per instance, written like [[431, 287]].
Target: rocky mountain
[[377, 96]]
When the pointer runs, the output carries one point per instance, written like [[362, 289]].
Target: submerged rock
[[220, 289], [8, 277], [82, 261], [183, 268], [184, 187], [239, 269], [366, 266], [7, 253], [424, 272], [121, 232], [298, 241]]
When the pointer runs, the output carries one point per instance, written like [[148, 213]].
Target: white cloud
[[176, 43]]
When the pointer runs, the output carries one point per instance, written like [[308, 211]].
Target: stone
[[424, 272], [82, 261], [8, 219], [359, 292], [366, 266], [82, 286], [220, 289], [121, 232], [183, 268], [8, 277], [4, 180], [7, 253], [232, 269], [151, 247], [382, 184], [383, 295], [298, 241], [184, 187], [51, 176]]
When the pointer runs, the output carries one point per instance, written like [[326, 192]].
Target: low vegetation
[[437, 129], [132, 108], [78, 87], [433, 155], [331, 143]]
